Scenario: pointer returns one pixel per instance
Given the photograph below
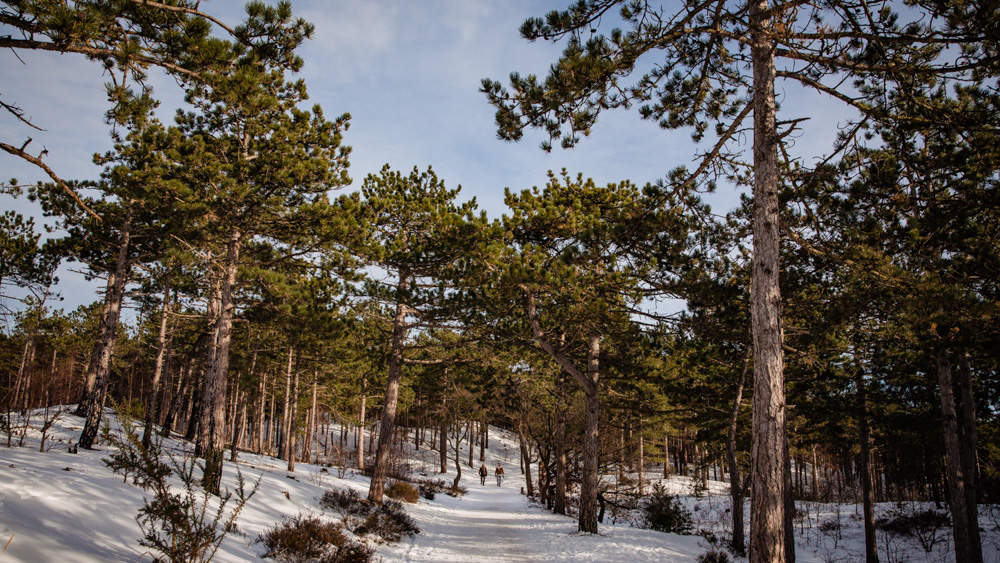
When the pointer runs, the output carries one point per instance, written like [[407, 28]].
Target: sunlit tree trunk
[[104, 347], [384, 451], [767, 517], [588, 486], [293, 415], [361, 425], [153, 410], [214, 391]]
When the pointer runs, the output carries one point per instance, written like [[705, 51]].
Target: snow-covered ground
[[58, 506]]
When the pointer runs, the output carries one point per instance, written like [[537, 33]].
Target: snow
[[59, 506]]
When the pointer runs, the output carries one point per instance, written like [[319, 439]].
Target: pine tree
[[411, 230], [716, 63], [128, 38]]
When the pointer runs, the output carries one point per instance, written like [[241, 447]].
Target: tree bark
[[968, 439], [384, 449], [736, 492], [153, 410], [104, 347], [285, 412], [968, 547], [307, 446], [361, 425], [214, 392], [560, 497], [525, 454], [864, 468], [293, 415], [588, 486], [767, 518]]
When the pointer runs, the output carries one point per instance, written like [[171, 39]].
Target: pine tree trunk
[[736, 491], [258, 431], [560, 497], [361, 425], [525, 455], [104, 347], [588, 485], [307, 446], [443, 447], [968, 440], [384, 451], [868, 500], [666, 456], [153, 410], [767, 518], [472, 445], [815, 475], [642, 458], [214, 392], [968, 547], [484, 429], [285, 412], [293, 416]]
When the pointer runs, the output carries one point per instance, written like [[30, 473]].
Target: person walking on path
[[483, 472], [499, 473]]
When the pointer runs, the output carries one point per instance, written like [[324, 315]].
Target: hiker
[[483, 472], [499, 473]]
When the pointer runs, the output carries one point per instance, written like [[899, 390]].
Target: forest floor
[[59, 506]]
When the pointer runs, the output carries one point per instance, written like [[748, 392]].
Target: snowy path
[[494, 524]]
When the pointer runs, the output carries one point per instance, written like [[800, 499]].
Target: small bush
[[714, 556], [663, 512], [302, 539], [429, 488], [928, 527], [344, 502], [389, 522], [401, 490], [182, 526]]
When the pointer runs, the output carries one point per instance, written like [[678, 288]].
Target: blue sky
[[407, 71]]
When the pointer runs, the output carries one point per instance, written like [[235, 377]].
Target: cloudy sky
[[408, 72]]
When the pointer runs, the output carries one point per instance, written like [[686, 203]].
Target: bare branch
[[19, 152]]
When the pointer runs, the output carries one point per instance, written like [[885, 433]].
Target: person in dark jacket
[[483, 472]]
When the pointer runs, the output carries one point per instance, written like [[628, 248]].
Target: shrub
[[714, 556], [403, 491], [928, 527], [429, 488], [388, 521], [178, 525], [302, 539], [664, 512], [345, 502]]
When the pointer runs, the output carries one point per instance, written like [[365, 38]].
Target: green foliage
[[301, 539], [23, 262], [664, 512], [180, 526], [129, 456]]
